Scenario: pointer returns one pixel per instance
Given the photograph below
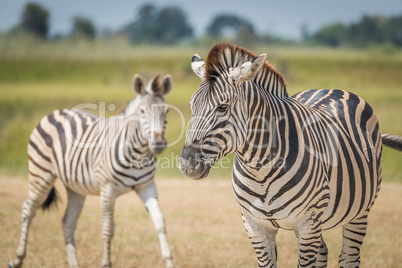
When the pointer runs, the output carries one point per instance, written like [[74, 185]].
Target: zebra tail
[[51, 199], [392, 141]]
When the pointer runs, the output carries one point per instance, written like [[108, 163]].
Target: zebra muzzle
[[158, 143], [191, 163]]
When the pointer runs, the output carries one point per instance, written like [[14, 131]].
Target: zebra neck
[[268, 80], [136, 146], [266, 126]]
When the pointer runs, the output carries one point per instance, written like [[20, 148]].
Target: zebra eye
[[222, 108], [142, 111]]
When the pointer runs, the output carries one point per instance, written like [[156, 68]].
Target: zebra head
[[219, 112], [150, 108]]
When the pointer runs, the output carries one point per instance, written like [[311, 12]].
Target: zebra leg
[[353, 236], [263, 240], [108, 198], [39, 187], [149, 196], [322, 256], [74, 207], [311, 244]]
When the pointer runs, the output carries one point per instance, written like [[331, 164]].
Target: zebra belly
[[90, 182], [347, 204], [81, 183], [353, 188], [81, 189]]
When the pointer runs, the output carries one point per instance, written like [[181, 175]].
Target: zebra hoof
[[168, 262], [107, 265]]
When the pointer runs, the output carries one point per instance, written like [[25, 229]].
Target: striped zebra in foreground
[[98, 156], [306, 163]]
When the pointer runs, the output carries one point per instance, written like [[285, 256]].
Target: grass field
[[203, 224], [37, 77]]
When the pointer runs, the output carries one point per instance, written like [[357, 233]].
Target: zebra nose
[[158, 143], [190, 162], [159, 139]]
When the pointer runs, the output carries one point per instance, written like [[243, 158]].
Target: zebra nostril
[[197, 166]]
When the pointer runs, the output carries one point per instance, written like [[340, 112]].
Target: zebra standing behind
[[306, 163], [98, 156]]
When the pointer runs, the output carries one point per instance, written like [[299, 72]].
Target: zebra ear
[[139, 84], [198, 66], [248, 70], [167, 84]]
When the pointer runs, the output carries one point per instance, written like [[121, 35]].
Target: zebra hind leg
[[39, 188], [353, 236], [73, 210]]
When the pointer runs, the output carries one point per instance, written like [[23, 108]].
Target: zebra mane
[[131, 106], [225, 55]]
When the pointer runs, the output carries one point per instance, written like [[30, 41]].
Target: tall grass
[[38, 77]]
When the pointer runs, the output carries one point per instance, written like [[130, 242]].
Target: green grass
[[37, 77]]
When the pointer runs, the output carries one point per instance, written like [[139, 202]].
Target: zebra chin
[[157, 149], [197, 171]]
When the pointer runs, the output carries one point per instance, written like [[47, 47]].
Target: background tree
[[35, 20], [246, 36], [333, 35], [369, 30], [172, 25], [244, 33], [83, 27], [378, 30], [305, 31], [394, 30], [163, 26], [143, 30], [223, 22]]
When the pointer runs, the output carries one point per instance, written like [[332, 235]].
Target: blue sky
[[283, 17]]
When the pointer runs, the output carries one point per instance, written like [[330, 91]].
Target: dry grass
[[203, 223]]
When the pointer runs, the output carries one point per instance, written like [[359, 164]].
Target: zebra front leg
[[108, 198], [262, 237], [149, 196], [74, 208], [310, 243], [353, 236], [322, 256]]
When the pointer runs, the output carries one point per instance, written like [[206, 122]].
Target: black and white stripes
[[93, 155], [305, 163]]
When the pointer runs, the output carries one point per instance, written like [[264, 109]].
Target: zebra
[[93, 155], [307, 163]]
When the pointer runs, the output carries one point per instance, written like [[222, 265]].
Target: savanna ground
[[203, 224], [203, 220]]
